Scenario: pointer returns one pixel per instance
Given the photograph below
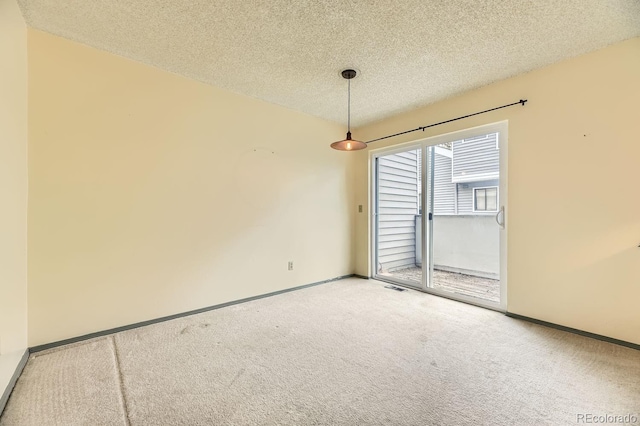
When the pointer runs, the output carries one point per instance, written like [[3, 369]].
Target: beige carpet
[[345, 353]]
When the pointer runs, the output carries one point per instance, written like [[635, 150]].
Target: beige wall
[[13, 189], [573, 212], [152, 194]]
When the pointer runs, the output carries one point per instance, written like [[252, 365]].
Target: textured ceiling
[[289, 52]]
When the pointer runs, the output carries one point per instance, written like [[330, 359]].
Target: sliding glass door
[[439, 218]]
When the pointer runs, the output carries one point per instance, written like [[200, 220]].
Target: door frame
[[501, 128]]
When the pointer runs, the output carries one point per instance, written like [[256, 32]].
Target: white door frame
[[502, 129]]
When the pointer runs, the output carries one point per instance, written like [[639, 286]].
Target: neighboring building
[[467, 177]]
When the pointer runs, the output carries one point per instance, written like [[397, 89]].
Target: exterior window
[[485, 199]]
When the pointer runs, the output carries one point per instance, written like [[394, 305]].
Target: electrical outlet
[[360, 208], [290, 265]]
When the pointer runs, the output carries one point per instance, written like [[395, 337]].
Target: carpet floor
[[345, 353]]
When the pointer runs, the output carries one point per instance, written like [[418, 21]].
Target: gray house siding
[[398, 184], [444, 191], [476, 159]]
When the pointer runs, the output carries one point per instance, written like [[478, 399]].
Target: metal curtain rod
[[520, 102]]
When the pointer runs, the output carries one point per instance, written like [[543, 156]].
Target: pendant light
[[348, 144]]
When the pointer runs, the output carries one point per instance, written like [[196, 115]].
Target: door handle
[[500, 223]]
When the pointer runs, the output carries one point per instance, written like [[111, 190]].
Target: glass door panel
[[398, 192], [465, 236]]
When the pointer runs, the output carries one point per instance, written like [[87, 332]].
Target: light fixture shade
[[348, 144]]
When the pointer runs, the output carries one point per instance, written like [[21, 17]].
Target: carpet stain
[[236, 377], [188, 328]]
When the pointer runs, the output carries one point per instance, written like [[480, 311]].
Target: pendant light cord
[[349, 107]]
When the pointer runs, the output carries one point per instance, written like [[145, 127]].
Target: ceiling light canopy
[[348, 144]]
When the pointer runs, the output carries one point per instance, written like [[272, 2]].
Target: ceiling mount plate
[[349, 74]]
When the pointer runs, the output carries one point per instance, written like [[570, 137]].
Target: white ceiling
[[290, 52]]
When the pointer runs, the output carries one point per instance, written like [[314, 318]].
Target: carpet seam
[[123, 398]]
